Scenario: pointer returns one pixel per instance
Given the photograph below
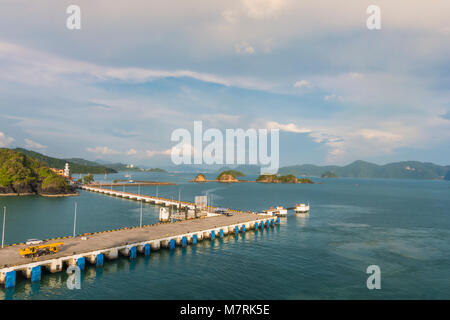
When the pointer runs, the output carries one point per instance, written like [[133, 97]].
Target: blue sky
[[137, 70]]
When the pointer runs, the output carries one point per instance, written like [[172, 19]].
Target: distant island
[[363, 169], [199, 178], [229, 176], [23, 175], [329, 174], [272, 178]]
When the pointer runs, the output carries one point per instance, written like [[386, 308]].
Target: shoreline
[[39, 194]]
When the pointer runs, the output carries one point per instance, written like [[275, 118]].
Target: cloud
[[131, 152], [30, 144], [302, 84], [290, 127], [103, 151], [152, 153], [332, 97], [4, 140], [244, 48], [260, 9], [230, 16]]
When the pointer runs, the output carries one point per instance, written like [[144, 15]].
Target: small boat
[[280, 211], [302, 208], [127, 175]]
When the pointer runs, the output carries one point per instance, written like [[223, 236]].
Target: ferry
[[302, 208]]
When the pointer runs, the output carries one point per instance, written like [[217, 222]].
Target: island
[[229, 176], [329, 174], [23, 175], [199, 178], [273, 178]]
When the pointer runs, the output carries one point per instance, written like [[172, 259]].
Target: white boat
[[302, 208], [280, 211]]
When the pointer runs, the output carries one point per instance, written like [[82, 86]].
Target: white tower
[[67, 170]]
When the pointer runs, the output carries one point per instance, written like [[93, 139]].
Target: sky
[[117, 88]]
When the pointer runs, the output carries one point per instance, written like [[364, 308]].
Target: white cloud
[[131, 152], [30, 144], [244, 48], [103, 151], [230, 16], [302, 84], [4, 140], [260, 9], [290, 127], [332, 97], [152, 153]]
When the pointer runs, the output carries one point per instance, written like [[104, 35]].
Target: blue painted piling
[[213, 235], [262, 224], [184, 242], [278, 220], [243, 228], [36, 274], [272, 222], [147, 249], [221, 233], [236, 230], [133, 253], [99, 260], [172, 244], [194, 239], [81, 262], [256, 225], [10, 279]]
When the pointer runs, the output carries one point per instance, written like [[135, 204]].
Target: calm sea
[[403, 226]]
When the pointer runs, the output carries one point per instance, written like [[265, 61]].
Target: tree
[[88, 179]]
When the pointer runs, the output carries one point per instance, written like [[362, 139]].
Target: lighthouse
[[67, 170]]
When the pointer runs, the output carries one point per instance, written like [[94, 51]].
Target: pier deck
[[102, 241], [94, 247]]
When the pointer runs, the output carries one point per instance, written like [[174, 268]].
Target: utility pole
[[75, 221], [140, 221], [4, 221]]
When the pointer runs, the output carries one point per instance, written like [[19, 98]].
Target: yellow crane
[[37, 251]]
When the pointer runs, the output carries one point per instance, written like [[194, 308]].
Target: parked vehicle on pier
[[37, 251]]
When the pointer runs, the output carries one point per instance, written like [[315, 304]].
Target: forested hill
[[363, 169], [20, 174], [76, 165]]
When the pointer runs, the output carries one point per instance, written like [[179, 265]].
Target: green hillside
[[76, 165], [21, 174], [363, 169]]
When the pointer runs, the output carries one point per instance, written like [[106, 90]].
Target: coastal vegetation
[[88, 179], [272, 178], [76, 165], [199, 178], [229, 176], [20, 175], [329, 174]]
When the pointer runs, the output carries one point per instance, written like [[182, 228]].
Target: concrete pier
[[94, 248]]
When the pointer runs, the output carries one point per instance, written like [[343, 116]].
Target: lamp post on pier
[[4, 221]]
